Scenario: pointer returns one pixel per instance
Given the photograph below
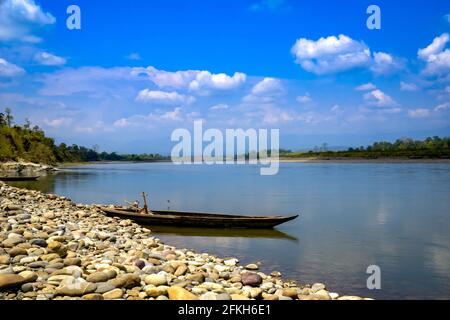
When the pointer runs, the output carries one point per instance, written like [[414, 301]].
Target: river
[[352, 215]]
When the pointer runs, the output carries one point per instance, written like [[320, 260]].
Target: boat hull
[[196, 219]]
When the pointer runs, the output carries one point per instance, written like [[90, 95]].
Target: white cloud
[[419, 113], [48, 59], [202, 82], [304, 99], [331, 54], [366, 87], [150, 120], [163, 97], [335, 108], [404, 86], [435, 47], [443, 106], [19, 18], [221, 106], [378, 98], [267, 86], [57, 122], [384, 63], [205, 81], [437, 59], [8, 69], [98, 126], [96, 81], [167, 79], [265, 91]]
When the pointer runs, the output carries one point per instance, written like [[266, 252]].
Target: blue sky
[[137, 70]]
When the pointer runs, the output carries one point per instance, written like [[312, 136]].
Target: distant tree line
[[29, 143], [430, 148]]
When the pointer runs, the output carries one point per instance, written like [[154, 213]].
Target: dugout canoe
[[198, 219]]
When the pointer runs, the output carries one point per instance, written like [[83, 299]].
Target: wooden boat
[[197, 219], [19, 178]]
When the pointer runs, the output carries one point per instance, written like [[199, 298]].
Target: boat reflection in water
[[225, 233]]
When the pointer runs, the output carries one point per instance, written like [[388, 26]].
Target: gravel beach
[[53, 249]]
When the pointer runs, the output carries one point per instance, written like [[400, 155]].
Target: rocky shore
[[52, 249], [24, 167]]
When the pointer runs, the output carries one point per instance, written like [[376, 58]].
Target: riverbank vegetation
[[406, 148], [29, 143]]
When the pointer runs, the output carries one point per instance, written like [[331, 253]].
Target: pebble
[[126, 281], [178, 293], [290, 292], [5, 259], [16, 251], [75, 287], [156, 291], [156, 279], [10, 281], [39, 242], [252, 266], [317, 287], [104, 287], [113, 294], [92, 296], [251, 279], [72, 262], [102, 276]]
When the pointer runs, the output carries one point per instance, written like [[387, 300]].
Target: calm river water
[[353, 215]]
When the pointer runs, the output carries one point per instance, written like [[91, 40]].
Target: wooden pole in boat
[[145, 202]]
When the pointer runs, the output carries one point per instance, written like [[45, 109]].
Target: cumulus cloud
[[101, 81], [366, 87], [205, 81], [384, 63], [202, 82], [265, 91], [378, 98], [404, 86], [342, 53], [163, 97], [8, 69], [19, 18], [434, 48], [268, 86], [435, 55], [331, 54], [48, 59], [419, 113]]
